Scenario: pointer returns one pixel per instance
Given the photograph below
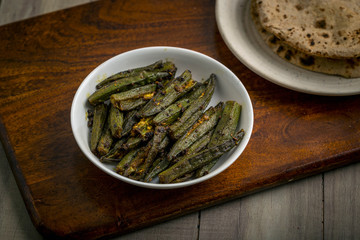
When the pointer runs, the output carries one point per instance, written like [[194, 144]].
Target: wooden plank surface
[[293, 211], [15, 222], [16, 10], [289, 213], [341, 203]]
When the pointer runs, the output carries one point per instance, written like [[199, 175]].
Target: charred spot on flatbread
[[280, 49], [320, 24], [307, 61], [273, 39], [288, 55], [299, 7]]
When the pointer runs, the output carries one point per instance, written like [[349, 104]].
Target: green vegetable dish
[[151, 124]]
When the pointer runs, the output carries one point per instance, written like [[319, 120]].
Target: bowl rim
[[101, 166]]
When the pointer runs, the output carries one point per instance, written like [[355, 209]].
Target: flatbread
[[329, 28], [349, 68]]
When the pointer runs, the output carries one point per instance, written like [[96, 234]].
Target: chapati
[[329, 28], [349, 68]]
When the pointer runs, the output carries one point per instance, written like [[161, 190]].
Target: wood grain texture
[[341, 205], [16, 10], [183, 228], [14, 219], [293, 211], [295, 134]]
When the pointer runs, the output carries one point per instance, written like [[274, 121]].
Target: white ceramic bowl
[[228, 87]]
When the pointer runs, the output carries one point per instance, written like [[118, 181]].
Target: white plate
[[228, 87], [239, 33]]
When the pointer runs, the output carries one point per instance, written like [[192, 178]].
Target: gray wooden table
[[325, 206]]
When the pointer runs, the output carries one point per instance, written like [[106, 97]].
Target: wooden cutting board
[[43, 62]]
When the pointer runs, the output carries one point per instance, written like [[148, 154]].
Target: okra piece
[[179, 132], [105, 142], [138, 159], [156, 162], [206, 168], [90, 116], [132, 142], [122, 147], [129, 73], [115, 153], [157, 146], [125, 161], [164, 143], [130, 104], [206, 123], [99, 119], [192, 162], [200, 144], [146, 92], [105, 159], [184, 178], [199, 104], [129, 122], [227, 124], [159, 166], [172, 112], [171, 92], [224, 130], [116, 121], [145, 128], [103, 94]]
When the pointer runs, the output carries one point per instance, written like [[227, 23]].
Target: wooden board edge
[[21, 183], [292, 174]]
